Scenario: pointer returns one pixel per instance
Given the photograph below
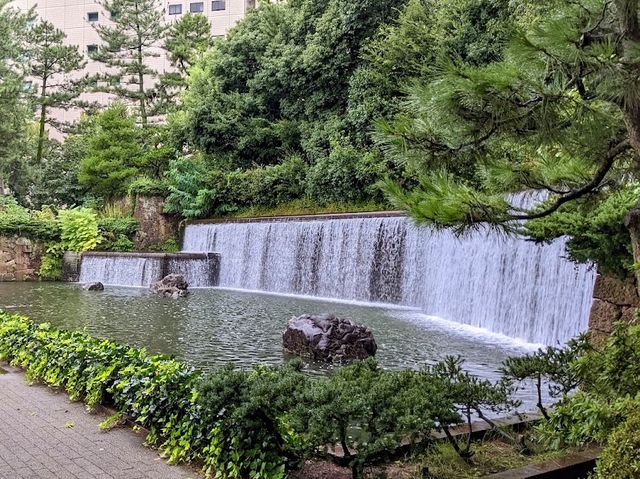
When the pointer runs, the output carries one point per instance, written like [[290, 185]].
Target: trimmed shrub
[[620, 459], [148, 187]]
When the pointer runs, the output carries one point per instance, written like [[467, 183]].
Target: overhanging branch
[[606, 166]]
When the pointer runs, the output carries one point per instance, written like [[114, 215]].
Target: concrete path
[[45, 436]]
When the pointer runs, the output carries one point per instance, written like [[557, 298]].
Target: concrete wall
[[613, 300], [19, 258]]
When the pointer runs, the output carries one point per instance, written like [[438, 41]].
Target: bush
[[250, 415], [118, 226], [153, 390], [620, 458], [31, 228], [79, 229], [148, 187], [117, 233], [17, 220], [51, 266], [609, 379]]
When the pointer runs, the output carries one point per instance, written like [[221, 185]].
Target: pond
[[213, 327]]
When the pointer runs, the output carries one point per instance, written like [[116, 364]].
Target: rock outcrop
[[97, 286], [171, 286], [328, 338], [20, 258]]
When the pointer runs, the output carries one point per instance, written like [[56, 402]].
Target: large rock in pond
[[97, 286], [171, 286], [327, 338]]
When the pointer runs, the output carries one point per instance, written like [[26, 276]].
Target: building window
[[27, 86], [197, 7], [113, 14], [175, 9], [92, 49], [217, 5], [92, 16]]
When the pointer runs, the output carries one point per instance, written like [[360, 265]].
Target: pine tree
[[51, 66], [14, 112], [112, 151], [187, 38], [133, 38], [559, 113]]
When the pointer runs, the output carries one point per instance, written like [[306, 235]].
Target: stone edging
[[572, 466], [313, 217]]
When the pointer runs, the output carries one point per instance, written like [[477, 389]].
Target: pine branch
[[606, 166]]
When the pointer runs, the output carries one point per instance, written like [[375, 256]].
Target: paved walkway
[[44, 435]]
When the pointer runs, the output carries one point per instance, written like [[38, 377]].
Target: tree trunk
[[43, 121]]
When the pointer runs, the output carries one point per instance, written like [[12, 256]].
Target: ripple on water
[[213, 327]]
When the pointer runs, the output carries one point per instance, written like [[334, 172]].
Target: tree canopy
[[559, 113]]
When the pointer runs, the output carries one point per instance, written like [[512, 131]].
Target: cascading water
[[121, 270], [141, 269], [504, 284]]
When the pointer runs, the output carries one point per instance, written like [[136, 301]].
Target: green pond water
[[215, 326]]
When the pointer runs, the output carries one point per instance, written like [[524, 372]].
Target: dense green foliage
[[558, 112], [117, 152], [599, 389], [17, 220], [308, 81], [76, 229], [13, 111]]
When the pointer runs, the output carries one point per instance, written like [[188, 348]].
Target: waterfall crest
[[505, 284]]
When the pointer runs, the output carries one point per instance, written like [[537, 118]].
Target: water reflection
[[214, 326]]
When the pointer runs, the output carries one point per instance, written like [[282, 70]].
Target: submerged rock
[[171, 286], [328, 338], [97, 286]]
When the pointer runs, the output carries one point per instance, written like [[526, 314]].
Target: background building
[[78, 18]]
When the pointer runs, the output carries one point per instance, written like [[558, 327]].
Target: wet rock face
[[97, 286], [171, 286], [328, 338]]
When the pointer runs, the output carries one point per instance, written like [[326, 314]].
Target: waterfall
[[120, 270], [141, 269], [504, 284]]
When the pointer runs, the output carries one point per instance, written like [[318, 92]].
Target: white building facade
[[78, 18]]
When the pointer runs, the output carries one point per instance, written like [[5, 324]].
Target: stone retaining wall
[[19, 258], [155, 226], [613, 300]]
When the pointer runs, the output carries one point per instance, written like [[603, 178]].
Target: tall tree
[[186, 39], [52, 66], [130, 43], [560, 113], [111, 152], [14, 112]]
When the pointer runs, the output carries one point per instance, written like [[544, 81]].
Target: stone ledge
[[314, 217]]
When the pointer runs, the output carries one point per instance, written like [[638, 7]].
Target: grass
[[308, 207], [489, 457]]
